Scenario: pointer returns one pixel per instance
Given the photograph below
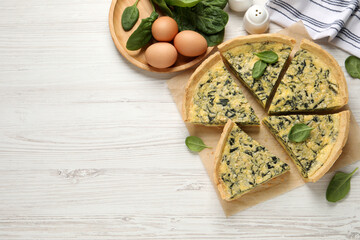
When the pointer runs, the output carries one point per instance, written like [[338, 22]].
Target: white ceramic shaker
[[256, 19], [240, 5]]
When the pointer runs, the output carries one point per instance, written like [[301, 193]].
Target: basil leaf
[[163, 7], [210, 20], [129, 17], [258, 69], [299, 132], [195, 144], [268, 56], [352, 65], [339, 186], [215, 3], [142, 35], [214, 39], [182, 3]]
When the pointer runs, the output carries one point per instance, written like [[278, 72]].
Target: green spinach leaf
[[142, 35], [215, 3], [206, 18], [214, 39], [258, 69], [352, 65], [299, 132], [339, 186], [129, 17], [195, 144], [182, 3], [209, 20], [183, 17], [268, 56], [163, 7]]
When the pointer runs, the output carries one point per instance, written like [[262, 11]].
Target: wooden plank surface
[[92, 147]]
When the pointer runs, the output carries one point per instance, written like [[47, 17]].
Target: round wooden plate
[[137, 58]]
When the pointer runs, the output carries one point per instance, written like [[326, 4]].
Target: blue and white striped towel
[[338, 21]]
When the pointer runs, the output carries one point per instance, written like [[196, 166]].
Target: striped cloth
[[338, 21]]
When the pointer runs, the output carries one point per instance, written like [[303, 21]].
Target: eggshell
[[190, 43], [161, 55], [164, 29]]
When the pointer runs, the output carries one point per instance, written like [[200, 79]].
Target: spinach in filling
[[218, 98], [246, 164], [306, 86], [311, 154], [242, 59]]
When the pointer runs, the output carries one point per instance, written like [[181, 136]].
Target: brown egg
[[161, 55], [190, 43], [164, 29]]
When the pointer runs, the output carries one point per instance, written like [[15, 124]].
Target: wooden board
[[120, 37]]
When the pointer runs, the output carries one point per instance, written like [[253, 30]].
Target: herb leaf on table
[[195, 144], [352, 65], [339, 186]]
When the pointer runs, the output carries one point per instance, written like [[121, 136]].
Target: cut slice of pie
[[315, 156], [241, 163], [313, 81], [240, 54], [212, 97]]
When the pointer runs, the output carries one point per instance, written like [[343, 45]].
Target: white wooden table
[[92, 147]]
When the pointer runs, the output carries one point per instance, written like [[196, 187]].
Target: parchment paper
[[282, 184]]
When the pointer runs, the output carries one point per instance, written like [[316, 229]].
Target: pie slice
[[315, 156], [212, 97], [239, 53], [241, 163], [313, 81]]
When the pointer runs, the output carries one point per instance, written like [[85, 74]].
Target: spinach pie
[[212, 97], [314, 156], [240, 55], [314, 81], [241, 163]]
